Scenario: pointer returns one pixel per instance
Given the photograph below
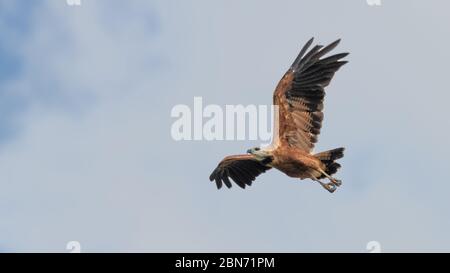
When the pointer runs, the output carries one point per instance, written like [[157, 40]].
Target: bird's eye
[[257, 149]]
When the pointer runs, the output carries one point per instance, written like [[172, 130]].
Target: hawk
[[299, 97]]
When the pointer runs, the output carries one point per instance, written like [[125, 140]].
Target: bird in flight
[[299, 98]]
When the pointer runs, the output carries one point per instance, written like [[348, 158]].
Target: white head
[[260, 154]]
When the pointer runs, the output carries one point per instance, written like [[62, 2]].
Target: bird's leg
[[328, 186], [333, 180]]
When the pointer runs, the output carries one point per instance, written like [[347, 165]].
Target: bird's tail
[[328, 158]]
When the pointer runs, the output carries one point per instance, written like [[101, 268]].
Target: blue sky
[[85, 146]]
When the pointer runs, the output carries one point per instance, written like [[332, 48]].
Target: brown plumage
[[299, 96]]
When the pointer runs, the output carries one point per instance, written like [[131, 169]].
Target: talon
[[337, 182], [333, 180], [330, 187]]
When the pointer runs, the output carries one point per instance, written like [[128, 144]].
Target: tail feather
[[328, 158]]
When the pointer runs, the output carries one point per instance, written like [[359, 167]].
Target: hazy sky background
[[85, 146]]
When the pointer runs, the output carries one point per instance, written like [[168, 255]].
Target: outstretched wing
[[300, 93], [243, 169]]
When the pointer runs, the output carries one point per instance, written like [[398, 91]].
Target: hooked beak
[[249, 151]]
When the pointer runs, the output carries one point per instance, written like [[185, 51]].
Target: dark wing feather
[[300, 94], [242, 169]]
